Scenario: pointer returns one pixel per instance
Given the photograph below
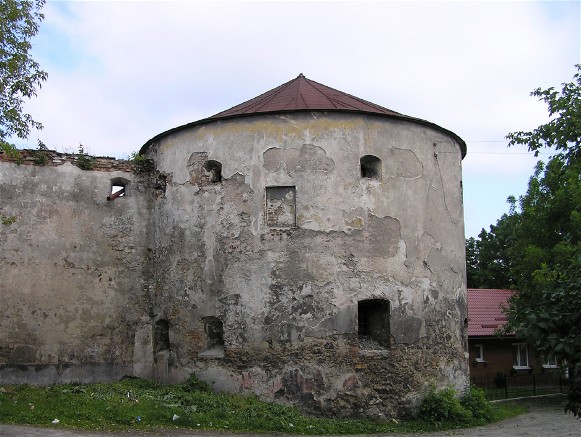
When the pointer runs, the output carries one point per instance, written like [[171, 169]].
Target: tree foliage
[[562, 132], [20, 75], [489, 259], [536, 248]]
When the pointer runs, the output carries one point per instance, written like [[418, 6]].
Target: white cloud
[[122, 72]]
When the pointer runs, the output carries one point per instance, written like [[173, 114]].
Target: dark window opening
[[214, 330], [370, 167], [215, 170], [373, 322], [118, 188], [161, 335]]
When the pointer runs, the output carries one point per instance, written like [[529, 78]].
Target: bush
[[85, 161], [194, 384], [443, 405], [474, 400]]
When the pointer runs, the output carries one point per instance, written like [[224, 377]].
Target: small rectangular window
[[281, 207], [373, 322], [479, 356]]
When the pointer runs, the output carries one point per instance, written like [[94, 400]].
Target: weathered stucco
[[288, 295], [74, 272], [247, 256]]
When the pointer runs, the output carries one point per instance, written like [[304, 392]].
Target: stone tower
[[309, 248]]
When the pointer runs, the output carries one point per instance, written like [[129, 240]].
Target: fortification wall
[[75, 270]]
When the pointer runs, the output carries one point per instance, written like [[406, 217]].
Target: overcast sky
[[122, 72]]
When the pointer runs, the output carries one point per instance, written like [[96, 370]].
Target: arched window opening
[[215, 170], [370, 167], [373, 323], [119, 188]]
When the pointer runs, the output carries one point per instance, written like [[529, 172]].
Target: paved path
[[544, 421]]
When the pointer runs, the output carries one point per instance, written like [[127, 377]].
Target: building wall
[[287, 296], [74, 271], [498, 358]]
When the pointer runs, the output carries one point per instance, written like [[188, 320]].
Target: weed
[[85, 161], [194, 384], [137, 158], [7, 220], [40, 158]]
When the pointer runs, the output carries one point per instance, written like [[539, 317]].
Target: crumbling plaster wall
[[288, 297], [74, 272]]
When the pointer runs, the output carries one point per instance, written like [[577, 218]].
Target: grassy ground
[[142, 404]]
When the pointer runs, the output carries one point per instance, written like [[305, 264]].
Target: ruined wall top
[[52, 158]]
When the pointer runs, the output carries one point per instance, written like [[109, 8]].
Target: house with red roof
[[490, 352]]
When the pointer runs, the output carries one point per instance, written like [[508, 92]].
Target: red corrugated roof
[[485, 315], [302, 93]]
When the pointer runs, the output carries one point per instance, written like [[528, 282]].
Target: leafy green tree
[[546, 310], [562, 132], [20, 75], [536, 248], [489, 258]]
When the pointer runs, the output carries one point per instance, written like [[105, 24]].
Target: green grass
[[142, 405], [494, 393]]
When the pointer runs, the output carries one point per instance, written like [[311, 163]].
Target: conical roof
[[303, 94]]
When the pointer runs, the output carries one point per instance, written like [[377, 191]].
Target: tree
[[489, 259], [20, 75], [536, 247], [546, 310], [562, 132]]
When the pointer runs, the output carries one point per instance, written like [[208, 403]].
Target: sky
[[120, 72]]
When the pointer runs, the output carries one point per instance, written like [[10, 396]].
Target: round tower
[[309, 248]]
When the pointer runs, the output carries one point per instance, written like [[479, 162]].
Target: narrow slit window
[[373, 322], [479, 353], [161, 335], [370, 167]]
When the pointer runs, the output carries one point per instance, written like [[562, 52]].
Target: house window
[[215, 170], [479, 355], [520, 356], [281, 207], [370, 167], [373, 322], [550, 363], [118, 188]]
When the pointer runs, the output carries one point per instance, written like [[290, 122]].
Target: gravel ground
[[540, 421]]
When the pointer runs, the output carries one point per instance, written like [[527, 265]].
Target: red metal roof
[[302, 93], [485, 315]]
